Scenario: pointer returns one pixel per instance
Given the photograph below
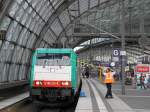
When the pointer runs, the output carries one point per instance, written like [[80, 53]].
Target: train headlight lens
[[37, 83], [66, 83]]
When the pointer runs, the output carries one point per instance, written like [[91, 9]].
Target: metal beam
[[84, 35], [122, 30], [108, 42], [101, 30]]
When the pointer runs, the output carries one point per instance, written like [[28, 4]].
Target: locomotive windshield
[[46, 59]]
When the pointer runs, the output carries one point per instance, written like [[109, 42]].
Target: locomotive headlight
[[37, 82], [66, 83]]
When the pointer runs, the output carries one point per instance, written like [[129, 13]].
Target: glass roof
[[42, 23]]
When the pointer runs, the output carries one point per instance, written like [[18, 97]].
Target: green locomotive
[[54, 76]]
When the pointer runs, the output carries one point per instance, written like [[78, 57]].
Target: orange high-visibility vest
[[109, 78]]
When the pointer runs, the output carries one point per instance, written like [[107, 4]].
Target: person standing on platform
[[87, 71], [108, 80], [142, 78]]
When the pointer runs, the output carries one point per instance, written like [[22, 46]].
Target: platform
[[6, 85], [8, 102], [94, 100], [91, 101]]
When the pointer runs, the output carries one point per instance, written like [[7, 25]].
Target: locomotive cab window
[[53, 59]]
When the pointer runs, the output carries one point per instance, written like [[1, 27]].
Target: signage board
[[142, 72], [142, 68], [116, 52]]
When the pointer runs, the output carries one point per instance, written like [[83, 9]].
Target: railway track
[[27, 106]]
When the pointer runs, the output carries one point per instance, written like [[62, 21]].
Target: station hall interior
[[103, 33]]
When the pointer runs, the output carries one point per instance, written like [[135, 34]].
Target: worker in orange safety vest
[[108, 81]]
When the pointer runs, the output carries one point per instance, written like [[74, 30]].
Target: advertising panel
[[142, 72]]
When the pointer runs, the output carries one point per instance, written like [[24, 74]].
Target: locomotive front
[[53, 75]]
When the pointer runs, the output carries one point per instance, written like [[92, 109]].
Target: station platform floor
[[138, 99], [10, 101], [94, 101]]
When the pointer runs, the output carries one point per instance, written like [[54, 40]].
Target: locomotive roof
[[54, 50]]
